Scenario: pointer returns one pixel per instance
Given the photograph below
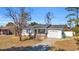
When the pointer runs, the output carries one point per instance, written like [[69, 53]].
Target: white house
[[51, 31]]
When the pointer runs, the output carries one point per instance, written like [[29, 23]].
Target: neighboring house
[[5, 31], [51, 31], [11, 29], [69, 33]]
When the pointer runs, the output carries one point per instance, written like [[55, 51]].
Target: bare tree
[[49, 17], [20, 19], [12, 14]]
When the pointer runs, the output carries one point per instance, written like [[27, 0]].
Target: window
[[29, 31], [41, 31]]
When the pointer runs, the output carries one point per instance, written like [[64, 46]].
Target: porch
[[35, 32]]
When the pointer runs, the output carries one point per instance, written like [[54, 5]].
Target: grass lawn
[[68, 45], [12, 41], [64, 45]]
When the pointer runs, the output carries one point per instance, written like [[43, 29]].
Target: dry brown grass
[[76, 38], [68, 45], [12, 41]]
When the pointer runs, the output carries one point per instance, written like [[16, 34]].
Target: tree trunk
[[20, 35], [35, 33], [16, 31]]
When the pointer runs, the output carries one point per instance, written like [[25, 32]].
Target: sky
[[38, 15]]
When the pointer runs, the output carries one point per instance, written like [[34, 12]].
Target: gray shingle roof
[[47, 26]]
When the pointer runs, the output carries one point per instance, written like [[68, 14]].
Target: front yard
[[68, 45], [12, 41]]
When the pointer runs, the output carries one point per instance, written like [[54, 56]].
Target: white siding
[[24, 32], [54, 34], [68, 33], [27, 31]]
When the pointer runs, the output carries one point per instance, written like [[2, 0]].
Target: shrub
[[26, 38], [76, 38]]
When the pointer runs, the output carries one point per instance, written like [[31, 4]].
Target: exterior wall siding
[[69, 33]]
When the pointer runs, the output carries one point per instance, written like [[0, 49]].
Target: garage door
[[54, 34]]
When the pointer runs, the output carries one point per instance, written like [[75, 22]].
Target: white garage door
[[54, 34]]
